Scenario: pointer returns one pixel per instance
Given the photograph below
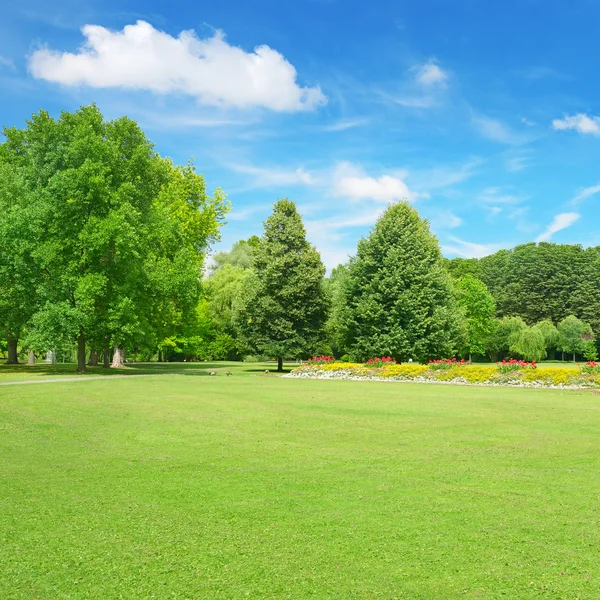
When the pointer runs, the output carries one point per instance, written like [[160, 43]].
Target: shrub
[[507, 366], [380, 361], [445, 363], [345, 358]]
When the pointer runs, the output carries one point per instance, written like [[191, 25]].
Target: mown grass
[[253, 486]]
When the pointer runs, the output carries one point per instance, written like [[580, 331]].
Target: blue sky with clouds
[[485, 115]]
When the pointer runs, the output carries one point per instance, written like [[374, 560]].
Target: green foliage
[[575, 336], [241, 255], [399, 296], [530, 344], [284, 304], [478, 307], [504, 335]]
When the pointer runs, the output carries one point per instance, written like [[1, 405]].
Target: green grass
[[253, 486]]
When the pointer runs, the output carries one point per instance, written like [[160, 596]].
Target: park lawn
[[45, 371], [193, 487]]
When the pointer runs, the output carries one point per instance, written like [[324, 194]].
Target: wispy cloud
[[496, 196], [497, 131], [469, 249], [7, 63], [560, 222], [580, 123], [274, 176], [431, 74], [585, 193], [344, 124], [211, 70]]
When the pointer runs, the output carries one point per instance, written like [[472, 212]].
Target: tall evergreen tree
[[285, 305], [399, 294]]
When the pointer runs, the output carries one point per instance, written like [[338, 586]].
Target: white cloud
[[351, 182], [497, 131], [580, 123], [527, 122], [514, 164], [274, 176], [560, 222], [586, 193], [469, 249], [431, 74], [7, 63], [211, 70]]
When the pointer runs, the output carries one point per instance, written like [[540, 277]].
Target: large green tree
[[399, 294], [285, 305], [478, 308]]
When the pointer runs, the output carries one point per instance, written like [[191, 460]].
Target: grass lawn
[[251, 486]]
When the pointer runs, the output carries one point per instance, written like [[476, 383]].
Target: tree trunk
[[81, 354], [118, 358], [160, 359], [93, 362], [31, 358], [279, 364], [470, 361], [106, 358], [574, 356], [13, 356], [563, 357]]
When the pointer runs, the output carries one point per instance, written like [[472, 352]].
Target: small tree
[[550, 333], [285, 305], [575, 336], [504, 335], [530, 344], [479, 308]]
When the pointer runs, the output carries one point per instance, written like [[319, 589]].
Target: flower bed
[[524, 375]]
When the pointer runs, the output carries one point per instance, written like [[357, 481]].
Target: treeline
[[103, 244], [102, 240]]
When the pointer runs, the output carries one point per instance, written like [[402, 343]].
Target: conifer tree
[[399, 294], [285, 305]]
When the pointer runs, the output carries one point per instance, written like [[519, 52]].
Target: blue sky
[[485, 115]]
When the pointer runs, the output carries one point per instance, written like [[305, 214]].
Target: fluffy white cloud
[[560, 222], [351, 182], [580, 123], [216, 73], [431, 74], [586, 193]]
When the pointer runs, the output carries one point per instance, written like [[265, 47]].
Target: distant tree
[[478, 307], [285, 306], [504, 335], [530, 344], [550, 334], [241, 255], [575, 336], [336, 286], [399, 293]]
